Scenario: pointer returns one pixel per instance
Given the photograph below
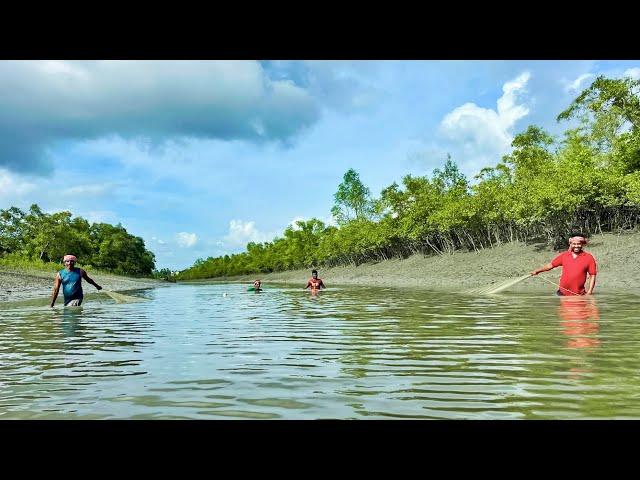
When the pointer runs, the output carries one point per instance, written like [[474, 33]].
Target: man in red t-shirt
[[314, 282], [576, 263]]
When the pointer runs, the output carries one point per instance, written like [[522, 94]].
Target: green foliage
[[35, 236], [17, 261], [164, 274], [352, 200], [606, 98], [609, 111], [589, 180]]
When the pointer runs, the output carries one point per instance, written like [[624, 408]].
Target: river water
[[216, 351]]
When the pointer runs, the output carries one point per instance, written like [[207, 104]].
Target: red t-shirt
[[574, 271]]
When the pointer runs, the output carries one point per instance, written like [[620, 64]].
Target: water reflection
[[69, 320], [215, 351], [580, 319]]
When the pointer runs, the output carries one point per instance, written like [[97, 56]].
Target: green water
[[191, 352]]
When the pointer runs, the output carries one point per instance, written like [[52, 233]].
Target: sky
[[201, 157]]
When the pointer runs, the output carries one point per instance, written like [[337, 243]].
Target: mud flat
[[618, 258], [23, 285]]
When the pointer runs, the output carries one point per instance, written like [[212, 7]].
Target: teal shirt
[[71, 284]]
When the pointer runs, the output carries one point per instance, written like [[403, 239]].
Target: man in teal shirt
[[70, 278]]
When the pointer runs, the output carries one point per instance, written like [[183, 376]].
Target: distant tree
[[12, 227], [609, 110], [352, 200], [607, 97], [449, 177]]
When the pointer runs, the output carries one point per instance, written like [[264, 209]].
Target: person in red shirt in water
[[576, 263], [314, 282]]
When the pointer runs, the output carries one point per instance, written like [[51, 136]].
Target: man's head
[[314, 274], [576, 243], [256, 283], [69, 260]]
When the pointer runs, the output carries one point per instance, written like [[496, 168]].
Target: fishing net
[[491, 289], [121, 298]]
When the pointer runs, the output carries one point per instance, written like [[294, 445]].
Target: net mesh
[[121, 298], [491, 289]]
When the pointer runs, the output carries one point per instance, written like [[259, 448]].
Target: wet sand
[[616, 256], [33, 284]]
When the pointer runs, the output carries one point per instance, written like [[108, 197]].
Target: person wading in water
[[70, 278], [575, 263], [314, 282]]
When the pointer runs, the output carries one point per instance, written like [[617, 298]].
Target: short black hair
[[578, 234], [314, 271]]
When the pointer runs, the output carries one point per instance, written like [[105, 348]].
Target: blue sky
[[200, 157]]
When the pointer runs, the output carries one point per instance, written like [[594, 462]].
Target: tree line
[[42, 237], [588, 179]]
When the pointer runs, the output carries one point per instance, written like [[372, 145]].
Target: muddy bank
[[616, 255], [15, 286]]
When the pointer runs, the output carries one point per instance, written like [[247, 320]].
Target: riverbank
[[616, 255], [30, 284]]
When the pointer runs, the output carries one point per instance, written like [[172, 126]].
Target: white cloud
[[508, 111], [63, 70], [80, 190], [293, 223], [241, 233], [345, 86], [11, 186], [43, 102], [186, 240], [577, 84], [484, 135], [101, 216], [330, 220], [633, 73]]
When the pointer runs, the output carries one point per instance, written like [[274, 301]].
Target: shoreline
[[37, 285], [616, 255]]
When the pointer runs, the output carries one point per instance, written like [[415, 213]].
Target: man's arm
[[545, 268], [592, 271], [86, 277], [322, 285], [56, 290], [308, 285], [592, 284]]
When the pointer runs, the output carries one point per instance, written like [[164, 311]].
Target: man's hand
[[98, 287], [535, 272]]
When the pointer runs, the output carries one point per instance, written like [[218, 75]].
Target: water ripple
[[192, 353]]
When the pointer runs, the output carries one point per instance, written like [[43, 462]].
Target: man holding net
[[576, 263], [70, 278]]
